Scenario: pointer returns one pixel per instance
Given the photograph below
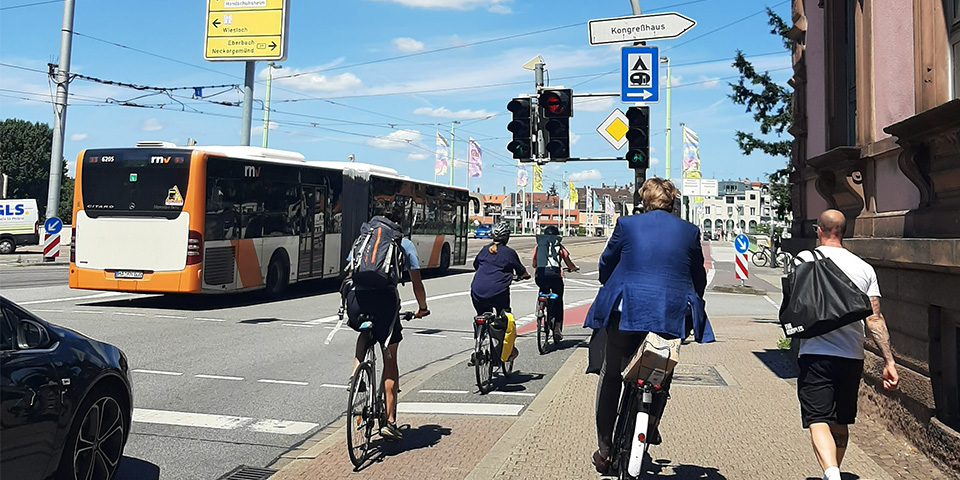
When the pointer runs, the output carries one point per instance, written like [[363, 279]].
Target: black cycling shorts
[[383, 305], [828, 388]]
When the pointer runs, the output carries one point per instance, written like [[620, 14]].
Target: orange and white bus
[[204, 219]]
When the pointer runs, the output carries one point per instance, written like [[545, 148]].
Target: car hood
[[101, 353]]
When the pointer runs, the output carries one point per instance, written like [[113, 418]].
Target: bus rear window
[[135, 182]]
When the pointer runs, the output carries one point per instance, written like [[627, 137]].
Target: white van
[[19, 224]]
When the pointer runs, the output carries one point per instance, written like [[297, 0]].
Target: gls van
[[19, 224]]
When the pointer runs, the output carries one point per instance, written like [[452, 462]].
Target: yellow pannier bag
[[509, 338]]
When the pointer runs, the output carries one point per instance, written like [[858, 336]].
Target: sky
[[378, 78]]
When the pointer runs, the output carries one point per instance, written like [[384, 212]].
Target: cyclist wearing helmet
[[546, 260], [496, 266]]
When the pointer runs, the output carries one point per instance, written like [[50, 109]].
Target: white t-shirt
[[846, 341]]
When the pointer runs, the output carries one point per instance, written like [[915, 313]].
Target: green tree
[[552, 192], [25, 157], [771, 106]]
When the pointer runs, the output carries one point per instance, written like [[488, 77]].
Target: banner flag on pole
[[609, 205], [597, 204], [538, 179], [475, 164], [587, 192], [691, 154], [521, 177], [574, 195], [440, 166]]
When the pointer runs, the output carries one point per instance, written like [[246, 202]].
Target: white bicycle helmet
[[501, 232]]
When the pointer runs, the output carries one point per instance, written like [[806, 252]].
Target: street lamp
[[266, 103]]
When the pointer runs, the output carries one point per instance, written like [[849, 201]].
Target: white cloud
[[574, 138], [398, 139], [709, 83], [495, 6], [443, 112], [585, 175], [407, 45], [76, 137], [307, 81], [602, 104], [258, 130], [417, 156], [151, 125], [654, 161]]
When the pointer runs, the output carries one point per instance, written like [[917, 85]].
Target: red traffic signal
[[556, 103]]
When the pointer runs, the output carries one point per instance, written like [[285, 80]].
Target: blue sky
[[353, 96]]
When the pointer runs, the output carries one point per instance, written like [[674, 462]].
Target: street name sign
[[614, 129], [639, 28], [640, 74], [246, 30]]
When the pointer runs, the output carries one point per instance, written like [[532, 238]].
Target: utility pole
[[249, 71], [669, 144], [541, 145], [60, 109], [453, 142], [266, 104]]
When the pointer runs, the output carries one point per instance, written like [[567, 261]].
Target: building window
[[753, 211], [841, 20], [730, 199], [707, 210], [730, 211], [753, 196]]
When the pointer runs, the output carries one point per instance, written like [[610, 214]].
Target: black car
[[66, 401]]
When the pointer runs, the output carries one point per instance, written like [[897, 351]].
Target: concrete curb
[[494, 460]]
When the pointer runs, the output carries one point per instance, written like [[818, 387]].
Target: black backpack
[[377, 257]]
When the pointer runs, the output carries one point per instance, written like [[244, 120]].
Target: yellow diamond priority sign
[[246, 30], [614, 129]]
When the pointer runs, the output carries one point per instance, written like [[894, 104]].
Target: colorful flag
[[609, 205], [538, 179], [521, 177], [475, 165], [589, 199], [440, 166], [597, 205], [574, 195], [691, 154]]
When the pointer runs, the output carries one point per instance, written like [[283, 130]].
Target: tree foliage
[[25, 156], [771, 105], [552, 192]]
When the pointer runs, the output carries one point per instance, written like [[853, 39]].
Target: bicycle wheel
[[360, 414], [484, 360], [759, 258], [543, 336], [622, 440]]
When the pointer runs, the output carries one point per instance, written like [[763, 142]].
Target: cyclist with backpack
[[546, 260], [376, 263], [496, 266]]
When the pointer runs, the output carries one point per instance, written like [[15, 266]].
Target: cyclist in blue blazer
[[653, 281]]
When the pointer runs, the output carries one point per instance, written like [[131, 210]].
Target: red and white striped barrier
[[742, 270], [51, 246]]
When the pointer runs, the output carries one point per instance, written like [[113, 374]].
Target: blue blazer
[[654, 263]]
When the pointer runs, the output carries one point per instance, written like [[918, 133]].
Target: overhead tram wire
[[11, 7]]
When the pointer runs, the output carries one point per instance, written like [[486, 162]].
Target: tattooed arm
[[877, 329]]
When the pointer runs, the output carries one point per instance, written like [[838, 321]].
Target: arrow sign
[[639, 28], [216, 23], [273, 45]]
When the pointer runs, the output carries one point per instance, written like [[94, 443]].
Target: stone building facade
[[877, 136]]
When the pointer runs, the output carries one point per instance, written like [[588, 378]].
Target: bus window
[[223, 210], [132, 182]]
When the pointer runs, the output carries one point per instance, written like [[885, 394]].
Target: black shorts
[[382, 305], [828, 388]]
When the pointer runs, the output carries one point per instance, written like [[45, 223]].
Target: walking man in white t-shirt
[[831, 364]]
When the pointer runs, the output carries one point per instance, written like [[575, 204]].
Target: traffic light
[[638, 136], [522, 145], [556, 108]]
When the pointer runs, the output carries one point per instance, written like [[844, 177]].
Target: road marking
[[45, 311], [438, 297], [221, 422], [177, 317], [210, 319], [435, 335], [333, 332], [157, 372], [296, 325], [710, 276], [330, 385], [283, 382], [514, 394], [460, 408], [467, 338], [129, 314], [67, 299], [451, 392], [217, 377], [323, 320], [589, 273], [91, 312], [767, 297], [595, 285]]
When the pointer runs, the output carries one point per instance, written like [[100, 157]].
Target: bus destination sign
[[246, 30]]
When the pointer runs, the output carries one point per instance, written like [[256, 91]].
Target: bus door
[[312, 231], [460, 244]]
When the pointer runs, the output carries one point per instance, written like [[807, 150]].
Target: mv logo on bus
[[159, 159], [251, 171]]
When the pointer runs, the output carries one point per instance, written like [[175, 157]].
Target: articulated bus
[[203, 219]]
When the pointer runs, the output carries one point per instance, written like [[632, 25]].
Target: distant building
[[740, 204]]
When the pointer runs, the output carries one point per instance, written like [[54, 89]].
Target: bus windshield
[[135, 182]]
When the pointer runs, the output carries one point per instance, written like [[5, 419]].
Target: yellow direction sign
[[246, 30]]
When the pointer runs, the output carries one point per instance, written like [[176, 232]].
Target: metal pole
[[669, 144], [636, 6], [453, 141], [266, 103], [60, 109], [249, 71], [541, 147]]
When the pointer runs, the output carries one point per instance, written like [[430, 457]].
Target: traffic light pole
[[640, 174], [247, 119], [60, 108], [541, 146]]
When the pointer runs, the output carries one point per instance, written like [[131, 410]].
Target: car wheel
[[7, 246], [95, 442]]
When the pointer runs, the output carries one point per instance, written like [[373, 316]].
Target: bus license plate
[[128, 274]]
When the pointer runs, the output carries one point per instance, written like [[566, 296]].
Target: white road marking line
[[452, 392], [467, 338], [323, 320], [589, 273], [330, 385], [217, 377], [205, 319], [45, 311], [296, 325], [177, 317], [460, 408], [767, 297], [129, 314], [283, 382], [710, 276], [438, 297], [91, 312], [86, 297], [221, 422], [514, 394], [157, 372], [435, 335], [578, 282], [333, 332]]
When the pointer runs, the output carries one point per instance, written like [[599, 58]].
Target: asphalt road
[[221, 381]]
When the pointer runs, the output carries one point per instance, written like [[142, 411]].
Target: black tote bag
[[819, 298]]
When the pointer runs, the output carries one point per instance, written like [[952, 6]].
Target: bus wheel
[[445, 258], [277, 277]]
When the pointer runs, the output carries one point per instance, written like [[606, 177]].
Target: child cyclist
[[496, 266], [546, 260]]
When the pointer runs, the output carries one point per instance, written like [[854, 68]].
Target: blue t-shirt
[[495, 272], [412, 261]]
